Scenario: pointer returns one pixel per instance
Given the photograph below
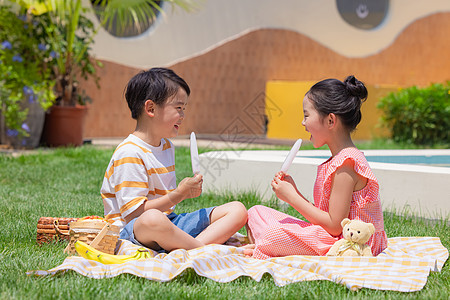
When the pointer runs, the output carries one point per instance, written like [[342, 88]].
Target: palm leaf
[[122, 15]]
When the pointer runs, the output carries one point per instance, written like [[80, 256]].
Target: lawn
[[66, 183]]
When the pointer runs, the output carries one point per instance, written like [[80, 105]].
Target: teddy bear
[[355, 234]]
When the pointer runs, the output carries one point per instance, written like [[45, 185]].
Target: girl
[[345, 186]]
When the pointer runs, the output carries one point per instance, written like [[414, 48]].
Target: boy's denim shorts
[[192, 223]]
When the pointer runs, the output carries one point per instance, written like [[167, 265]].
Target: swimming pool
[[414, 181], [428, 160]]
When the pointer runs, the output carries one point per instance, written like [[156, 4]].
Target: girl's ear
[[331, 120], [149, 108]]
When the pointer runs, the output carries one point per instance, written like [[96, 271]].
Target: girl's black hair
[[156, 84], [343, 99]]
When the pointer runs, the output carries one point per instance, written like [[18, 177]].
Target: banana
[[88, 252]]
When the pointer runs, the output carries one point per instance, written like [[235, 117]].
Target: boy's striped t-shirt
[[136, 173]]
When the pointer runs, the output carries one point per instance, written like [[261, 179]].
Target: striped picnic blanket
[[403, 266]]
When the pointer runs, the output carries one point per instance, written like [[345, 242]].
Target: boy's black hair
[[343, 99], [156, 84]]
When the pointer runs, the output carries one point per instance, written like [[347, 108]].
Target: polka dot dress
[[278, 234]]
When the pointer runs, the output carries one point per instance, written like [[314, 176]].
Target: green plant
[[419, 116], [46, 50], [77, 194], [71, 34], [25, 75]]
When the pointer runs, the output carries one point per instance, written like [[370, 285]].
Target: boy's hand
[[191, 187]]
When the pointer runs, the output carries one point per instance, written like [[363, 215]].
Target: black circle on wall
[[131, 30], [363, 14]]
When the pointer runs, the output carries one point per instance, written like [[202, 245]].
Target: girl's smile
[[314, 123]]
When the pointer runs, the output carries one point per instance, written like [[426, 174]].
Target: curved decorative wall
[[228, 79]]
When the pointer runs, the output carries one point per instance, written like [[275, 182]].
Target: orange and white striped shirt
[[137, 172]]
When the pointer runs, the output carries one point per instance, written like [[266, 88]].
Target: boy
[[139, 188]]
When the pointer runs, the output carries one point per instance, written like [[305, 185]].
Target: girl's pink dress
[[278, 234]]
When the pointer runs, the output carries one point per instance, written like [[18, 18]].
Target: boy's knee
[[235, 210], [239, 211], [153, 219], [238, 208]]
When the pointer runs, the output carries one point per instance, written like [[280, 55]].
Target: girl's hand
[[284, 189], [190, 187], [286, 177]]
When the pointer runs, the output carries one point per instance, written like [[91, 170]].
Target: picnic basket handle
[[56, 224], [100, 235]]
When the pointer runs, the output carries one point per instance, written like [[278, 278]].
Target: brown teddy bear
[[356, 234]]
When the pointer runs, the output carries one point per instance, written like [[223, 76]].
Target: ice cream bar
[[195, 160], [290, 157]]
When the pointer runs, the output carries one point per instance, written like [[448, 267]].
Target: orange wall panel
[[228, 82]]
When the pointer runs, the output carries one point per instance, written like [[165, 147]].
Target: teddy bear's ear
[[345, 222], [371, 228]]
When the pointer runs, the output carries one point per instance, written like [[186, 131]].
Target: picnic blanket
[[403, 266]]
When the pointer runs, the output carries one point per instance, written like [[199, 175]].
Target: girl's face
[[314, 124]]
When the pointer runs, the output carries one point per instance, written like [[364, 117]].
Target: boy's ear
[[149, 108]]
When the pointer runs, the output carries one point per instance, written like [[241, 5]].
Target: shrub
[[418, 115], [25, 69]]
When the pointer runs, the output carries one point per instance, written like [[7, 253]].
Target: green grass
[[66, 183]]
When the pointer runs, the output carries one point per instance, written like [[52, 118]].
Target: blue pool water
[[430, 160]]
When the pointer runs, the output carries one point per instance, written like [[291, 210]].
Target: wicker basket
[[99, 234], [53, 229]]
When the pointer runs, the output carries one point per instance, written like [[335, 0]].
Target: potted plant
[[70, 34], [26, 84]]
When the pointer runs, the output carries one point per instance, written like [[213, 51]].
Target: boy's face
[[170, 115]]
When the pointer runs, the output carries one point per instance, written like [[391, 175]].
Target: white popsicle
[[290, 157], [195, 160]]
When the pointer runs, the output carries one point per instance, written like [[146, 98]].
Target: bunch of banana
[[88, 252]]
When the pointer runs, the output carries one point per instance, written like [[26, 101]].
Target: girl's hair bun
[[343, 99], [355, 87]]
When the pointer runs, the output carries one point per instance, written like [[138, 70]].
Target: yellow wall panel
[[369, 127], [284, 110]]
